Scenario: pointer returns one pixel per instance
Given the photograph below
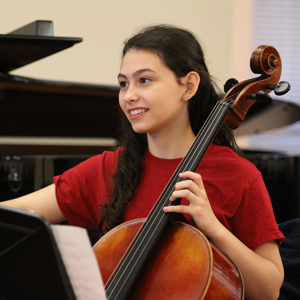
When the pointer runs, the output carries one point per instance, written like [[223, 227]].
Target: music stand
[[31, 266]]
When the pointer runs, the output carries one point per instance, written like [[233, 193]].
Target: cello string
[[122, 272], [216, 117], [207, 126], [153, 227], [216, 121], [200, 143], [158, 207], [195, 147], [210, 123], [228, 99]]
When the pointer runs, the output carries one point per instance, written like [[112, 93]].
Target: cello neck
[[124, 277]]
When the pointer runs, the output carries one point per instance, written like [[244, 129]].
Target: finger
[[193, 176], [177, 209], [187, 186], [191, 196]]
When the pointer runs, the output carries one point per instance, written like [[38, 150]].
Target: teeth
[[137, 111]]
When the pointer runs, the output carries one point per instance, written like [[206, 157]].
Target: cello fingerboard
[[126, 274]]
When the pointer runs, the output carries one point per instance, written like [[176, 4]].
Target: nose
[[130, 95]]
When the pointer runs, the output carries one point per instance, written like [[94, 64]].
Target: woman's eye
[[144, 80], [123, 84]]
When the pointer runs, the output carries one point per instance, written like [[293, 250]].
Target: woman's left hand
[[262, 269], [192, 189]]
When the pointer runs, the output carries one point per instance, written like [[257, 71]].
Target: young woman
[[166, 94]]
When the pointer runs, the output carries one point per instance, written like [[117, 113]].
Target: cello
[[161, 256]]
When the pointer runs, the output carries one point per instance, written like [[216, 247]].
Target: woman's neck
[[171, 145]]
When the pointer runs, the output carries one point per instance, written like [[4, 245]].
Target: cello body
[[183, 266]]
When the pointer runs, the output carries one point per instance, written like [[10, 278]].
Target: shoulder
[[82, 189], [108, 155], [225, 157], [222, 166], [107, 158], [99, 165]]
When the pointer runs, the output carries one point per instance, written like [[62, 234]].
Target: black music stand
[[31, 266]]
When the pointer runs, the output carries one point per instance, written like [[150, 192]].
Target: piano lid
[[18, 50], [40, 117], [282, 140], [276, 128]]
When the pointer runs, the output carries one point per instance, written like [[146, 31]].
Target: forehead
[[140, 59]]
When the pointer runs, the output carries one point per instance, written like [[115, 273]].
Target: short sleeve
[[254, 222], [80, 191]]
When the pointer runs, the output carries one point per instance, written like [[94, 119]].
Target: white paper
[[80, 262]]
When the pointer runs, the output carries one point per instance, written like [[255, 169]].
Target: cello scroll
[[265, 60]]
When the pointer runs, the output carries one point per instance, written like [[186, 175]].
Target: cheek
[[122, 103]]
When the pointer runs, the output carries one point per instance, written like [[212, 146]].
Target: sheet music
[[80, 262]]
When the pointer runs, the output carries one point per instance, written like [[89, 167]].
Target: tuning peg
[[261, 96], [229, 84], [279, 89]]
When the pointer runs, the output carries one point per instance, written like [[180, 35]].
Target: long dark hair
[[181, 53]]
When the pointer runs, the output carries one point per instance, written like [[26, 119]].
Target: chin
[[139, 130]]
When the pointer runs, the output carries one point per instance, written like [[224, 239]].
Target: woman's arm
[[42, 202], [262, 269]]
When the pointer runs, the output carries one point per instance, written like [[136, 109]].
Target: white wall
[[104, 24]]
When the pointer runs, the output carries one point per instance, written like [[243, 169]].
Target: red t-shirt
[[234, 186]]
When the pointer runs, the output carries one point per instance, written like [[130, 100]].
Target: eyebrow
[[136, 73]]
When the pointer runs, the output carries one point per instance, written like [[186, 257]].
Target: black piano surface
[[20, 50], [47, 127], [33, 110], [39, 117]]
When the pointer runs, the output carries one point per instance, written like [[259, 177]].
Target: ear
[[191, 81]]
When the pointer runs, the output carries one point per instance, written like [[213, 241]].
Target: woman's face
[[150, 95]]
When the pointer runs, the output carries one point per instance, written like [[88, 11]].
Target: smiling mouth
[[137, 111]]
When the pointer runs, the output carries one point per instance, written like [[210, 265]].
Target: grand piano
[[270, 138], [47, 127]]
